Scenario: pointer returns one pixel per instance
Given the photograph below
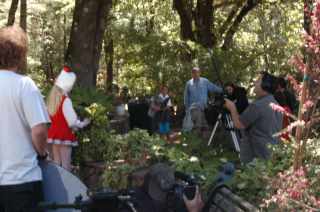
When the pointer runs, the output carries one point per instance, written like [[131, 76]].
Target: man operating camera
[[259, 121], [161, 193]]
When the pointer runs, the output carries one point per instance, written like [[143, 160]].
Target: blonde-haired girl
[[64, 119]]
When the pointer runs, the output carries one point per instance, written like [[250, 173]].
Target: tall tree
[[305, 89], [23, 25], [84, 49], [109, 53], [197, 23], [12, 12], [23, 14]]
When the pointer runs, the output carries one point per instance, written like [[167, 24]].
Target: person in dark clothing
[[238, 95], [281, 98], [152, 195], [291, 100]]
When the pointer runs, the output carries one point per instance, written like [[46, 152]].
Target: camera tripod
[[229, 126]]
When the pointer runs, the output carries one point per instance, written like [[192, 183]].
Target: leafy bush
[[129, 152], [191, 156], [94, 139], [275, 186]]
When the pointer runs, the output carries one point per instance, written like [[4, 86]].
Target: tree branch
[[225, 3], [12, 12], [185, 13], [231, 16], [251, 4]]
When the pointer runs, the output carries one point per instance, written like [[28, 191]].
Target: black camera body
[[185, 185], [109, 200], [217, 103]]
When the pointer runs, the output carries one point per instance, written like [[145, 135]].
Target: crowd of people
[[257, 122], [27, 124]]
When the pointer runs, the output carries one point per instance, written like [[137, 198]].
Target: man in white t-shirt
[[23, 127]]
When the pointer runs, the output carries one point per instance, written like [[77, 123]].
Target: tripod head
[[217, 103]]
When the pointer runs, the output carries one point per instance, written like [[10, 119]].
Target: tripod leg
[[214, 128], [233, 133], [235, 141]]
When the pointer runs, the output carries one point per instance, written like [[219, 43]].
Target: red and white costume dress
[[63, 122]]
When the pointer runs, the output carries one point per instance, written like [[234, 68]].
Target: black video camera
[[185, 185], [218, 101]]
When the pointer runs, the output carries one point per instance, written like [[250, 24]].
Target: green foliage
[[148, 50], [129, 152], [93, 140], [138, 149], [84, 97], [255, 182]]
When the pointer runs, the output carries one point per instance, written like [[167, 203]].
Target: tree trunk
[[23, 25], [65, 33], [109, 51], [12, 12], [204, 22], [299, 152], [23, 14], [197, 24], [184, 9], [84, 49]]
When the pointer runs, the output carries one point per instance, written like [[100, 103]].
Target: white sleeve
[[33, 104], [169, 104], [70, 115]]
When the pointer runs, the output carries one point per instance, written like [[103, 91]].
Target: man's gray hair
[[196, 69]]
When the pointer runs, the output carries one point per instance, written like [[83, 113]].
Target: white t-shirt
[[21, 108], [162, 97]]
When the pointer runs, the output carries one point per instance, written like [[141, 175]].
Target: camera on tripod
[[217, 103], [223, 117]]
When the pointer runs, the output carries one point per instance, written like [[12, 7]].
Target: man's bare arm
[[39, 138]]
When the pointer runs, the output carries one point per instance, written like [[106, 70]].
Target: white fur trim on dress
[[63, 142]]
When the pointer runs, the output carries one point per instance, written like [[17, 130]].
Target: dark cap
[[161, 180]]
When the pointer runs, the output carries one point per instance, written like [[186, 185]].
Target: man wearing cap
[[23, 127], [153, 195], [196, 98]]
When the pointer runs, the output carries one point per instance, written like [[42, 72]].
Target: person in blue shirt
[[196, 98]]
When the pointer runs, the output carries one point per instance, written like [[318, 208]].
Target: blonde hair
[[54, 99]]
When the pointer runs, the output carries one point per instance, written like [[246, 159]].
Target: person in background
[[159, 111], [23, 127], [64, 119], [120, 119], [291, 100], [286, 101], [238, 95], [154, 113], [196, 99], [165, 111], [259, 121], [125, 94]]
